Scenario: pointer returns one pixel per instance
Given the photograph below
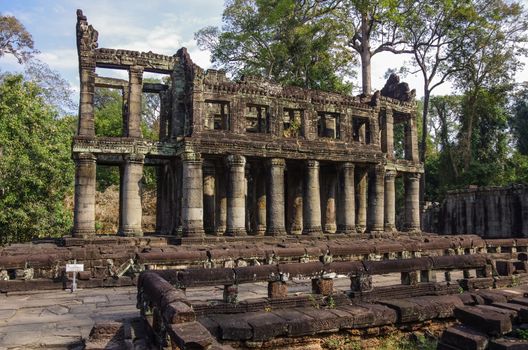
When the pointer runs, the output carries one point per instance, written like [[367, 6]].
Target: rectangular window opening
[[292, 122], [216, 115], [328, 125], [257, 119], [361, 130]]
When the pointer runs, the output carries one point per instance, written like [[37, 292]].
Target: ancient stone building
[[246, 157], [492, 212]]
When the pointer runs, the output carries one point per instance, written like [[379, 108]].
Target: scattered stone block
[[277, 289], [508, 344], [486, 321], [324, 286], [463, 337], [190, 335]]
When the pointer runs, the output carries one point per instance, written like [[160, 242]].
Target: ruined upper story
[[206, 110]]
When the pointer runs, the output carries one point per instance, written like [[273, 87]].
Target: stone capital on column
[[134, 158], [235, 160], [276, 162], [414, 176], [136, 71], [84, 157], [346, 165], [390, 175], [190, 156], [312, 164]]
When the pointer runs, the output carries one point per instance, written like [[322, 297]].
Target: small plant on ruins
[[515, 281], [330, 302], [522, 333], [267, 309], [313, 301]]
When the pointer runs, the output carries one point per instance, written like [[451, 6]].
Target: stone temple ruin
[[276, 223], [244, 158]]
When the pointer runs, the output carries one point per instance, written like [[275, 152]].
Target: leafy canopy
[[36, 171]]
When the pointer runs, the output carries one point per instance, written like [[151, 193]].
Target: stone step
[[487, 321], [464, 337], [522, 311], [508, 344]]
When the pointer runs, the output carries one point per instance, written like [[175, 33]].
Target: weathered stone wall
[[245, 157], [488, 212]]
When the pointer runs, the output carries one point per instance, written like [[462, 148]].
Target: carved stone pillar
[[84, 201], [312, 200], [135, 89], [221, 201], [347, 199], [330, 204], [236, 202], [390, 201], [362, 184], [295, 201], [387, 135], [275, 199], [86, 126], [192, 195], [411, 140], [132, 211], [412, 202], [376, 199], [209, 197], [261, 204]]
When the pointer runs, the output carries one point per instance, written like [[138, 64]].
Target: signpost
[[74, 268]]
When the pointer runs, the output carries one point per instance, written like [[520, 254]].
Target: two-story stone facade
[[246, 157]]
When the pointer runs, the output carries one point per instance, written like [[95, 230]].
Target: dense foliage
[[36, 171]]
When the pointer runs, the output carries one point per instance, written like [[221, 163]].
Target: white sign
[[74, 267]]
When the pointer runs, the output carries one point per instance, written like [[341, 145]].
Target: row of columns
[[271, 204], [204, 191], [130, 221]]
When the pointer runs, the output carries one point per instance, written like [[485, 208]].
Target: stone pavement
[[63, 320], [60, 319]]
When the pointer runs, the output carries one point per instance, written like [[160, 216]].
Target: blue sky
[[161, 26], [153, 25]]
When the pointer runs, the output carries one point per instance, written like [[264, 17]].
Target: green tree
[[519, 119], [289, 41], [15, 39], [372, 27], [36, 171]]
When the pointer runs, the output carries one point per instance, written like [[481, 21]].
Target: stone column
[[132, 175], [361, 223], [192, 195], [312, 200], [412, 202], [209, 197], [236, 202], [261, 204], [347, 199], [295, 201], [86, 126], [135, 89], [84, 201], [221, 201], [275, 199], [376, 200], [411, 140], [387, 135], [330, 201], [390, 201]]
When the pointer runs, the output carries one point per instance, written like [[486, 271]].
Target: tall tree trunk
[[471, 116], [365, 55], [423, 144]]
